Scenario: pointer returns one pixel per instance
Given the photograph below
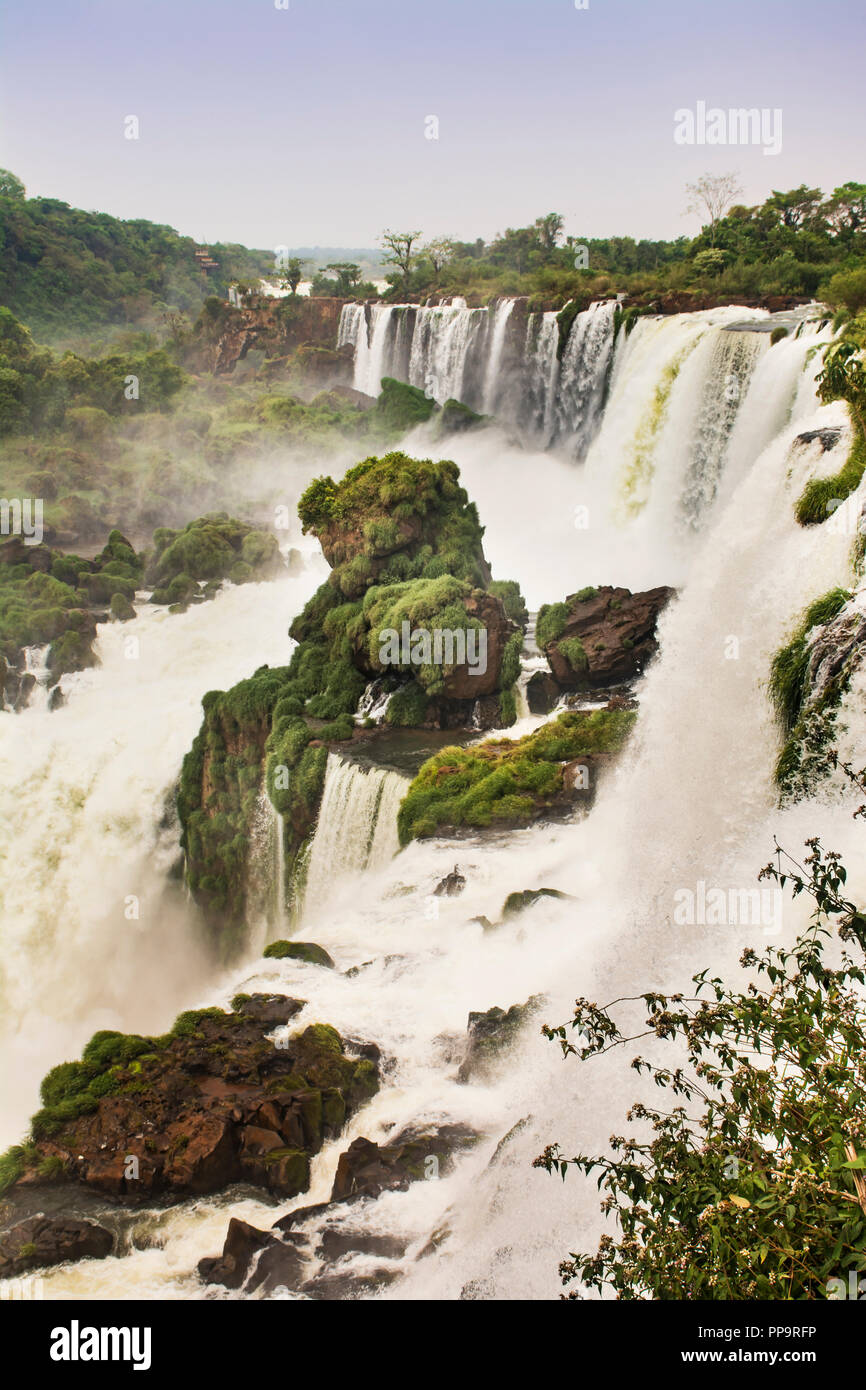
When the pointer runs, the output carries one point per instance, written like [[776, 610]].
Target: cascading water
[[96, 933], [692, 798], [356, 828], [487, 360]]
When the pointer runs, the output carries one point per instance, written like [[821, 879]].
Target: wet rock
[[602, 636], [306, 951], [366, 1169], [491, 1032], [232, 1267], [344, 1286], [42, 1241], [281, 1265], [451, 884], [212, 1103], [516, 903], [337, 1241], [268, 1010], [828, 438], [542, 692]]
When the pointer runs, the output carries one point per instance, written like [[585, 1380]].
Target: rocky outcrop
[[282, 1257], [42, 1241], [491, 1033], [601, 637], [367, 1169], [224, 335], [215, 1101], [406, 605], [509, 782]]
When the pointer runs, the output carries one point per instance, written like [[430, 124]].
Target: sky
[[310, 125]]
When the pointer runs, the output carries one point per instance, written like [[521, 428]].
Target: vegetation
[[797, 242], [808, 719], [749, 1184], [404, 541], [212, 548], [505, 781], [64, 269]]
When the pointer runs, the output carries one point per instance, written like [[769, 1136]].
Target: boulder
[[367, 1169], [42, 1241], [601, 637], [490, 1033], [451, 884], [306, 951]]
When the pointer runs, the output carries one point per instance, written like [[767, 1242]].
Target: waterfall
[[682, 483], [490, 362], [498, 322], [585, 365], [542, 376], [356, 827], [97, 933], [447, 346]]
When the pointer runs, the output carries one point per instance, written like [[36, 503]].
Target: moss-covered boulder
[[808, 679], [213, 547], [600, 637], [507, 782], [306, 951], [395, 518], [212, 1102]]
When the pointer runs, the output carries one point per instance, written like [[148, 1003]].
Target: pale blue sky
[[306, 125]]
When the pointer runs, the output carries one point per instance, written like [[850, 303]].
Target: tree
[[797, 208], [843, 378], [11, 186], [293, 272], [711, 262], [348, 274], [399, 247], [752, 1186], [438, 252], [713, 194], [548, 230], [846, 209]]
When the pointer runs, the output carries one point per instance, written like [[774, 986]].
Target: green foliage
[[573, 650], [210, 547], [402, 407], [807, 724], [550, 623], [505, 780], [748, 1184], [440, 532], [64, 268], [512, 600], [41, 391]]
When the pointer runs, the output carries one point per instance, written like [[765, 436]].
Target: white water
[[356, 828], [693, 798], [85, 839], [484, 358]]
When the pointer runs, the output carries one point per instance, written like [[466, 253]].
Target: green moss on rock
[[503, 781]]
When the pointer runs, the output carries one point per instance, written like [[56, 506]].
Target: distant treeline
[[63, 270]]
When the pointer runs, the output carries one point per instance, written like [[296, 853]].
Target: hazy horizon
[[307, 126]]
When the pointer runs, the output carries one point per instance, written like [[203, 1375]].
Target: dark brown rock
[[608, 637], [41, 1241], [367, 1169]]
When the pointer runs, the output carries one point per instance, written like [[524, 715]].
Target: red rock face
[[616, 631]]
